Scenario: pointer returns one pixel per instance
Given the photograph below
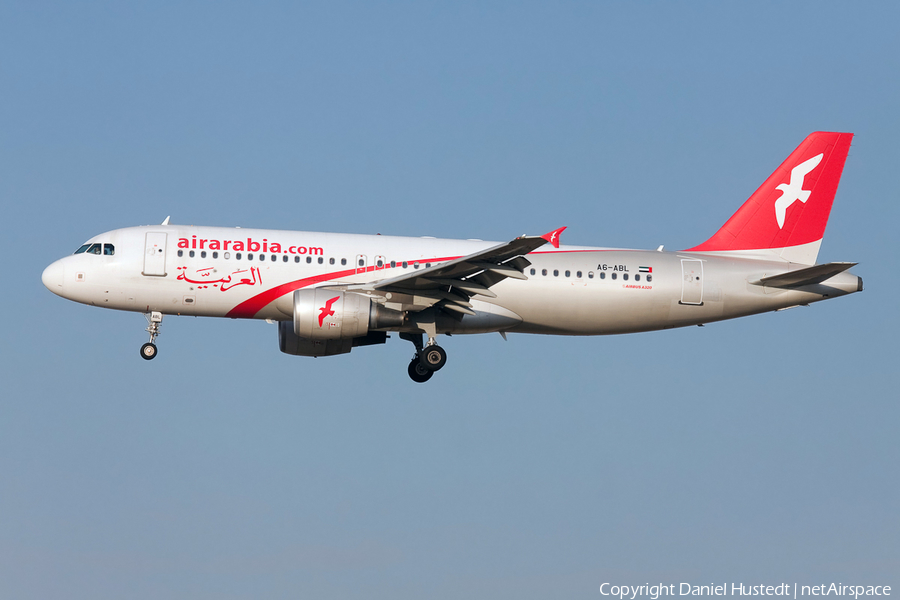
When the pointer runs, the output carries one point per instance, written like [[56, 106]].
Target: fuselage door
[[155, 254], [691, 281], [360, 263]]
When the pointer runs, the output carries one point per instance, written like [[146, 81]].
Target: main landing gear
[[428, 358], [148, 350]]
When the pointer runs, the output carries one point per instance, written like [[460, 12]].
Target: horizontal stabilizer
[[807, 276]]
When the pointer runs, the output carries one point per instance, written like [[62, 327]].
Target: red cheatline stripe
[[248, 308]]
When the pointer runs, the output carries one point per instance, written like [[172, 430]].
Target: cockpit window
[[105, 249]]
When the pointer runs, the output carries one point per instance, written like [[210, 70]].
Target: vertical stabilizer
[[786, 217]]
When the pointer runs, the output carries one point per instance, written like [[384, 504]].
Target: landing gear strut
[[148, 350], [428, 358]]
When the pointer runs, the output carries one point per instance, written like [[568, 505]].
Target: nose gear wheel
[[148, 351]]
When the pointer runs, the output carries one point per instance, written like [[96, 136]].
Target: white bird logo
[[793, 191]]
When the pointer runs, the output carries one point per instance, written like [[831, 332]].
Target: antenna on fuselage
[[166, 222]]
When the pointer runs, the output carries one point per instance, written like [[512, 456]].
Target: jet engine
[[327, 322]]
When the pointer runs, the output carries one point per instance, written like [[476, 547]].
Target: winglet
[[553, 236]]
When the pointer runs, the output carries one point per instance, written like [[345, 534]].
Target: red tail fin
[[787, 215]]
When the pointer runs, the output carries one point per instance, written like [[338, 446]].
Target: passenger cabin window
[[285, 258], [556, 272], [109, 250], [637, 277], [321, 260], [533, 271], [203, 254], [544, 272], [191, 254], [649, 278], [296, 259], [344, 262], [181, 253], [330, 261], [309, 260], [215, 255], [613, 275], [625, 276], [602, 275], [590, 274], [568, 273], [578, 274], [83, 249]]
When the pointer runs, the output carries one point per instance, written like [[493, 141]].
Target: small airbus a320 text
[[332, 292]]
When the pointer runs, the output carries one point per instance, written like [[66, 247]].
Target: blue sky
[[761, 449]]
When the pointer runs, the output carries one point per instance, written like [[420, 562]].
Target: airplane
[[332, 292]]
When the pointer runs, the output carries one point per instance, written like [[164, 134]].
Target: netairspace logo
[[654, 592]]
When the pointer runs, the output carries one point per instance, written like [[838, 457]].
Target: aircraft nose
[[52, 277]]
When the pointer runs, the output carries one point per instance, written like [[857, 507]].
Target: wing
[[450, 285]]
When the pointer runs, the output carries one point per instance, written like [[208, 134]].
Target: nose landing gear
[[427, 360], [148, 350]]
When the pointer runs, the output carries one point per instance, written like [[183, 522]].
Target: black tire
[[417, 372], [433, 358], [148, 351]]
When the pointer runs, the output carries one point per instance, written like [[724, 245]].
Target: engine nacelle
[[321, 314], [327, 322], [291, 343]]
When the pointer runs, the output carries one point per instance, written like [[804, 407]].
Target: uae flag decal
[[645, 269]]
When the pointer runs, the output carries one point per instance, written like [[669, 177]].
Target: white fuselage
[[570, 290]]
